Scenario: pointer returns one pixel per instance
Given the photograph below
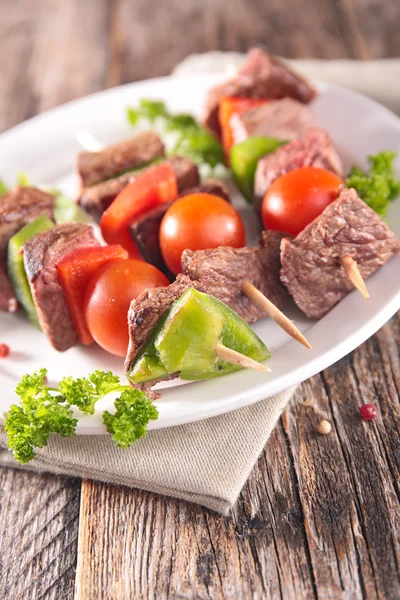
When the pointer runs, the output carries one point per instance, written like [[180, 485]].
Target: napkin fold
[[206, 462]]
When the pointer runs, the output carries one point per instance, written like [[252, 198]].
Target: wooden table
[[320, 516]]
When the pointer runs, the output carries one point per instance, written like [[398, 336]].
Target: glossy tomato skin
[[298, 197], [108, 296], [198, 222]]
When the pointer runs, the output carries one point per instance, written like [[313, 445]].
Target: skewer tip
[[239, 359], [254, 295], [354, 275]]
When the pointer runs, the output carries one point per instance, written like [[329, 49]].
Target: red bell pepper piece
[[74, 271], [229, 106], [149, 189]]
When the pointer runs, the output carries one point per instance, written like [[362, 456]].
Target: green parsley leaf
[[84, 392], [193, 141], [199, 145], [148, 109], [378, 187], [40, 414], [44, 410], [129, 423], [23, 179]]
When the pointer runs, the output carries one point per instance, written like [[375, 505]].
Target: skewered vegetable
[[150, 188], [228, 107], [199, 221], [243, 159], [15, 264], [296, 198], [108, 296], [74, 273], [186, 338]]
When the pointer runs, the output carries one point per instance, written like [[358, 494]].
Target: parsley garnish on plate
[[380, 185], [44, 410], [192, 140]]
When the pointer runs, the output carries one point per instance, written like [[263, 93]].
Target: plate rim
[[315, 364]]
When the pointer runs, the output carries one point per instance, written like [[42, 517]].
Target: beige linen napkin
[[209, 461]]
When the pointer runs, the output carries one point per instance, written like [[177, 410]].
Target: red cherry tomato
[[296, 198], [197, 222], [108, 296]]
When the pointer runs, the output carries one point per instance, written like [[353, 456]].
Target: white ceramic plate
[[45, 148]]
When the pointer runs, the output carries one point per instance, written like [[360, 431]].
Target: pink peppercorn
[[4, 350], [367, 412]]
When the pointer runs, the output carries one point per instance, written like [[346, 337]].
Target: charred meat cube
[[313, 149], [94, 167], [262, 76], [41, 255], [311, 262], [210, 186], [18, 208], [96, 199], [148, 308], [186, 171], [222, 270], [145, 231], [145, 234], [283, 119]]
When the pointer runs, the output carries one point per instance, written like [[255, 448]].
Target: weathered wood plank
[[319, 516], [329, 528], [349, 480], [39, 532], [170, 549], [44, 62]]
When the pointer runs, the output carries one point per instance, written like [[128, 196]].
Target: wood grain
[[38, 539], [319, 517]]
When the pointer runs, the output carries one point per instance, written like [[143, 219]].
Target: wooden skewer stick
[[239, 359], [354, 275], [273, 312]]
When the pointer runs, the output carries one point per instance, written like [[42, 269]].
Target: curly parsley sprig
[[192, 139], [44, 410], [380, 185]]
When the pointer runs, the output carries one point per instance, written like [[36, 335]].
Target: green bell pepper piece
[[243, 159], [185, 338], [15, 264], [67, 210]]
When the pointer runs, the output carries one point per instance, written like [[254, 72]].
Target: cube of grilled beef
[[8, 300], [148, 308], [284, 119], [94, 167], [145, 231], [222, 270], [96, 199], [186, 171], [314, 148], [18, 208], [41, 255], [262, 76], [145, 234], [311, 267], [215, 187]]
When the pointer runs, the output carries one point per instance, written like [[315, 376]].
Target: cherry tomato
[[296, 198], [108, 296], [197, 222]]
